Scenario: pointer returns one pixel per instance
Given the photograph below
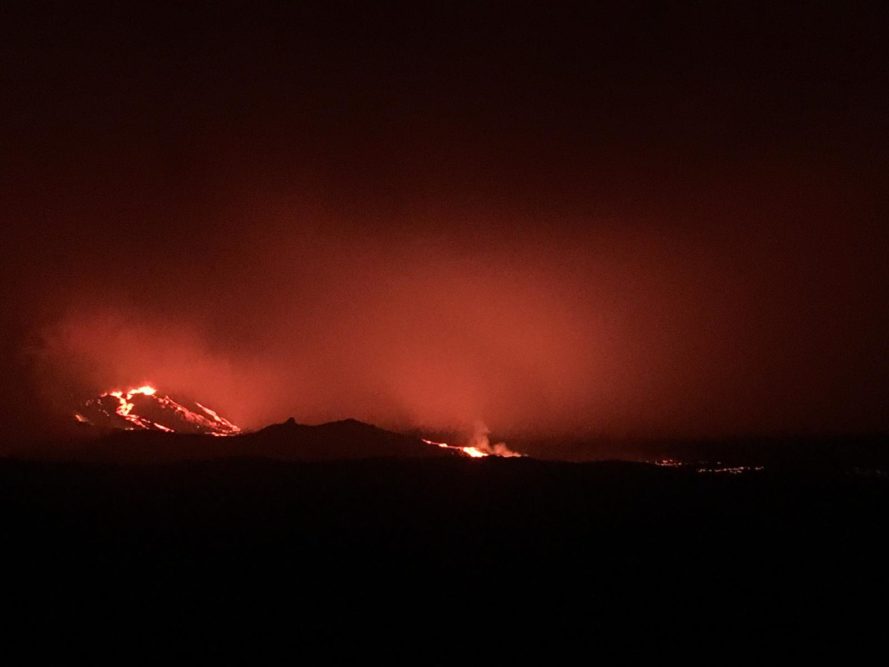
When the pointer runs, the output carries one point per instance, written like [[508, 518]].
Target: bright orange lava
[[474, 452], [125, 406], [214, 423]]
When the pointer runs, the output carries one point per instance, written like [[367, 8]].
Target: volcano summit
[[143, 408]]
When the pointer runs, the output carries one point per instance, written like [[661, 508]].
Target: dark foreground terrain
[[495, 545]]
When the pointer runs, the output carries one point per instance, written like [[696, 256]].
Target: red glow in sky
[[546, 222]]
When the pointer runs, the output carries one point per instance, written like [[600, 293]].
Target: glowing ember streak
[[221, 420]]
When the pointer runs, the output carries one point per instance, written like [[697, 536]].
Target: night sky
[[556, 219]]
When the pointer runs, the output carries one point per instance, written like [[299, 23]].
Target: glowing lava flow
[[125, 409], [479, 445], [480, 450], [474, 452], [155, 408]]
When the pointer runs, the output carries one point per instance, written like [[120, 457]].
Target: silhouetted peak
[[349, 425], [349, 421]]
